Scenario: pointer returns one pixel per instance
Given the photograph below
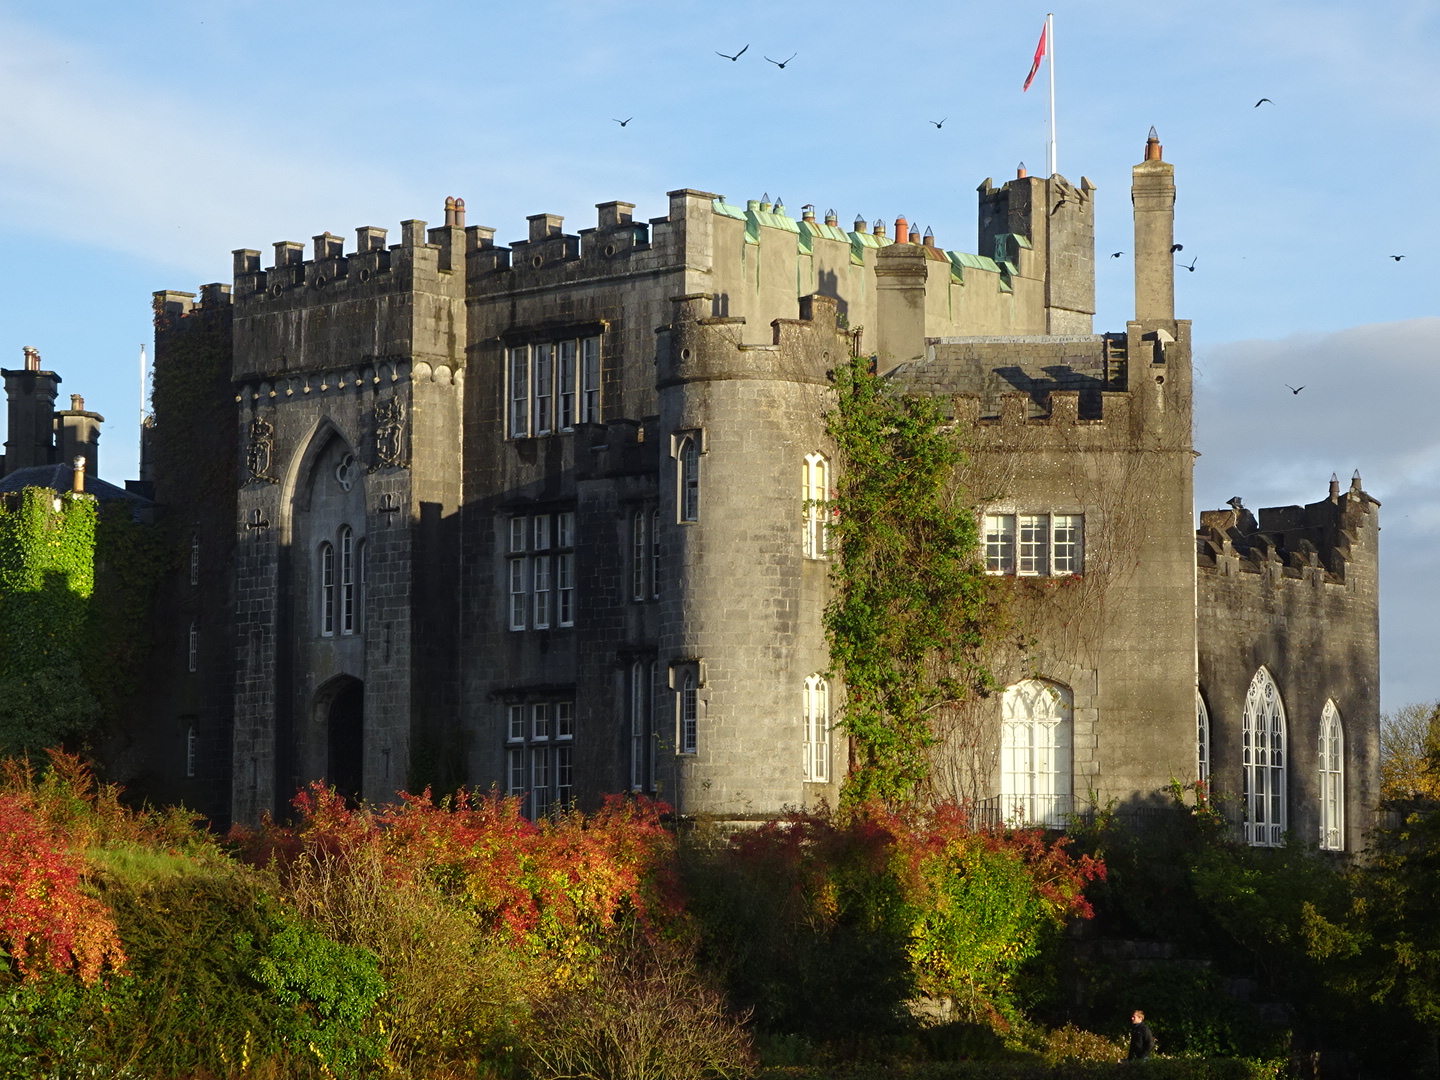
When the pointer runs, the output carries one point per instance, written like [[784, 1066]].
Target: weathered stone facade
[[533, 516]]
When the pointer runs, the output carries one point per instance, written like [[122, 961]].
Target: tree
[[1410, 752]]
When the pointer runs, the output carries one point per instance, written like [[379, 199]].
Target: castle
[[544, 517]]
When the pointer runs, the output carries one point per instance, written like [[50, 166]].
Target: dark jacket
[[1142, 1043]]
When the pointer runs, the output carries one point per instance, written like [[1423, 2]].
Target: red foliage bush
[[540, 881], [47, 921]]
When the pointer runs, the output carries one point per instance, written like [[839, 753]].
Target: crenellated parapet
[[1316, 543]]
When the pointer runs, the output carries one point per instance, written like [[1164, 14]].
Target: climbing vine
[[47, 576], [913, 609]]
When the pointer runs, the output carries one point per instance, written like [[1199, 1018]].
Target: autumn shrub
[[646, 1013], [829, 925]]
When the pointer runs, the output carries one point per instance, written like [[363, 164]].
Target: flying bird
[[939, 123], [782, 63], [622, 123], [729, 57], [1116, 254], [1397, 258], [1063, 200], [1191, 267], [1262, 101], [1294, 389], [1176, 247]]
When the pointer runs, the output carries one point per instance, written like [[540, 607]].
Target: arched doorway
[[345, 740]]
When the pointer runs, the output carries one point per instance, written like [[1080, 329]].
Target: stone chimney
[[77, 434], [30, 395]]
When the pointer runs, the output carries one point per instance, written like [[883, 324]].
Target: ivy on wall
[[913, 608], [47, 578]]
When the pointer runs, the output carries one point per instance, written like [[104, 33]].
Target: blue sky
[[141, 142]]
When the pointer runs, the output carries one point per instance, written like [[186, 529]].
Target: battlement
[[1315, 542], [422, 251]]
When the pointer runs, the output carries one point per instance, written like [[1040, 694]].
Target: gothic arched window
[[1202, 740], [347, 580], [1332, 779], [817, 730], [1036, 774], [815, 491], [689, 493], [1263, 757]]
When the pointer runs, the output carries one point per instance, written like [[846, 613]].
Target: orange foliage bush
[[47, 921]]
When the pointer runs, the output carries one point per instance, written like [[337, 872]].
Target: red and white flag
[[1039, 55]]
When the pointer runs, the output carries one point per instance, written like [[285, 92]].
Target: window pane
[[1034, 544], [637, 726], [655, 553], [517, 594], [1068, 532], [590, 380], [542, 532], [689, 714], [519, 392], [564, 720], [517, 534], [565, 529], [541, 583], [564, 775], [540, 780], [515, 760], [540, 720], [689, 480], [516, 725], [543, 372], [1000, 543], [327, 589], [567, 385], [565, 588], [347, 582], [639, 555]]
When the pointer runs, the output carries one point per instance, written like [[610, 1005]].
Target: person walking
[[1142, 1042]]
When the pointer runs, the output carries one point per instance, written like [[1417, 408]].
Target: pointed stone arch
[[1037, 771], [339, 708]]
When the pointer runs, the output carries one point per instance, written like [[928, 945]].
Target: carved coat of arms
[[260, 452], [389, 434]]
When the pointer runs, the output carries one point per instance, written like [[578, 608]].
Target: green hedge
[[1152, 1069]]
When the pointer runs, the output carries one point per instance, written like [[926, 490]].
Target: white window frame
[[565, 589], [518, 378], [590, 380], [638, 700], [539, 755], [193, 646], [519, 568], [567, 360], [1202, 739], [542, 379], [999, 538], [347, 580], [1032, 545], [1037, 767], [655, 553], [1332, 779], [327, 589], [1067, 544], [1265, 763], [540, 592], [639, 553], [817, 730], [687, 488], [687, 712], [815, 491], [195, 558]]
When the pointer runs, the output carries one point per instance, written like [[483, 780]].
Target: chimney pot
[[77, 483], [1021, 173], [1153, 150], [902, 230]]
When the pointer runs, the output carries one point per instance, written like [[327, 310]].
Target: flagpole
[[1050, 39]]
